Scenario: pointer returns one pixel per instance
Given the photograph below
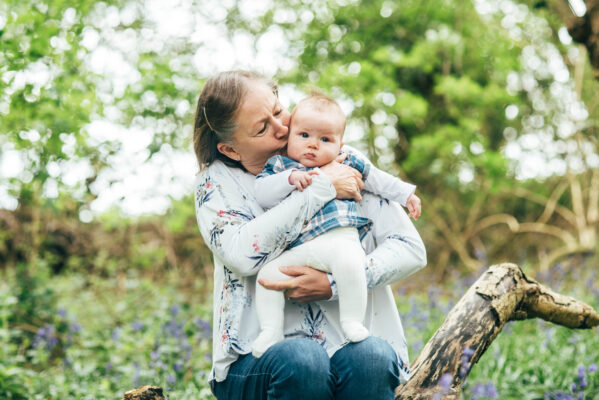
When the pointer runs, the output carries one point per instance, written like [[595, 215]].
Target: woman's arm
[[400, 251], [242, 240]]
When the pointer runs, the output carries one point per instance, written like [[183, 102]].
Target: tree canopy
[[489, 107]]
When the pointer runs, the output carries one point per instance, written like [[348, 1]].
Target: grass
[[73, 336]]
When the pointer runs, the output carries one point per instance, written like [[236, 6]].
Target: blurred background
[[490, 107]]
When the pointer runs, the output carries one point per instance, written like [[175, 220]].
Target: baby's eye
[[324, 139], [304, 134]]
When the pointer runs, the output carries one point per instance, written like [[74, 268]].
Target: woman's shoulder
[[228, 179], [215, 172]]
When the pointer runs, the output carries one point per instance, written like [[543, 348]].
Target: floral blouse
[[243, 237]]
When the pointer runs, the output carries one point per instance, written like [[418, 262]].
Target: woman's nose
[[280, 130]]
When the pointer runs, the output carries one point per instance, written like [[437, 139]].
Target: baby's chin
[[310, 163]]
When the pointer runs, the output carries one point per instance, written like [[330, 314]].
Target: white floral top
[[242, 237]]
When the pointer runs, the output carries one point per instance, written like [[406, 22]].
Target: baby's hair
[[321, 103]]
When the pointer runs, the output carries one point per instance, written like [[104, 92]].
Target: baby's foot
[[354, 331], [265, 339]]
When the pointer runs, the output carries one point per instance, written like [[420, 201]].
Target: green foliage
[[102, 336], [110, 340]]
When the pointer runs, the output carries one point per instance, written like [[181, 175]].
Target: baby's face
[[315, 137]]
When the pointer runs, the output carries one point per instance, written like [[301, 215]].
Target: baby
[[330, 242]]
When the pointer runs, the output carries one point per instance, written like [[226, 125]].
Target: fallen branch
[[145, 393], [503, 293]]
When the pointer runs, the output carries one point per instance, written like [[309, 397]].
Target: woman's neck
[[254, 167]]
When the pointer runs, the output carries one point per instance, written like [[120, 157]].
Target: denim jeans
[[298, 369]]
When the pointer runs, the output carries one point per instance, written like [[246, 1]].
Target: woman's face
[[262, 128]]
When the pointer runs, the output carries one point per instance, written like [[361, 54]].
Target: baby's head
[[316, 131]]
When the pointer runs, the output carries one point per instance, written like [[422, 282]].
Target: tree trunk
[[503, 293], [584, 29]]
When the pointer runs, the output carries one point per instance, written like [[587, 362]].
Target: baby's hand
[[413, 205], [301, 179]]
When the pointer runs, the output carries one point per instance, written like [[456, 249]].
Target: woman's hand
[[346, 180], [306, 285]]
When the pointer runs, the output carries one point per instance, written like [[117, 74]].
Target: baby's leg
[[346, 258], [270, 304]]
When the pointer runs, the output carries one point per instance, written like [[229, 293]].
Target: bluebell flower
[[178, 365], [46, 335], [592, 368], [171, 379], [445, 384], [75, 327], [203, 326], [109, 367], [174, 310], [480, 254], [116, 334], [574, 387], [137, 326], [492, 391], [136, 374], [467, 354], [581, 372], [446, 380], [62, 313]]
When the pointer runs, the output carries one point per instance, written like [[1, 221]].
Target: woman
[[239, 124]]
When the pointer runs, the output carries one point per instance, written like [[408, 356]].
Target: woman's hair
[[216, 111]]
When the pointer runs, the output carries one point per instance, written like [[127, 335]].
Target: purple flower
[[574, 387], [468, 352], [171, 379], [480, 254], [445, 384], [116, 334], [62, 312], [581, 372], [74, 328], [492, 391], [136, 374], [178, 365], [174, 310], [583, 384], [593, 368], [109, 367], [137, 326], [446, 380], [46, 336]]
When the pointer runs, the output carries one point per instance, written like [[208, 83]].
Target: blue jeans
[[298, 369]]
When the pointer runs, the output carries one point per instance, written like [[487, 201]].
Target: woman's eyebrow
[[260, 122]]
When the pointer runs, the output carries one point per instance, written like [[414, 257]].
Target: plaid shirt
[[336, 213]]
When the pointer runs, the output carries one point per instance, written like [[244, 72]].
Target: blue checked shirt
[[336, 213]]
